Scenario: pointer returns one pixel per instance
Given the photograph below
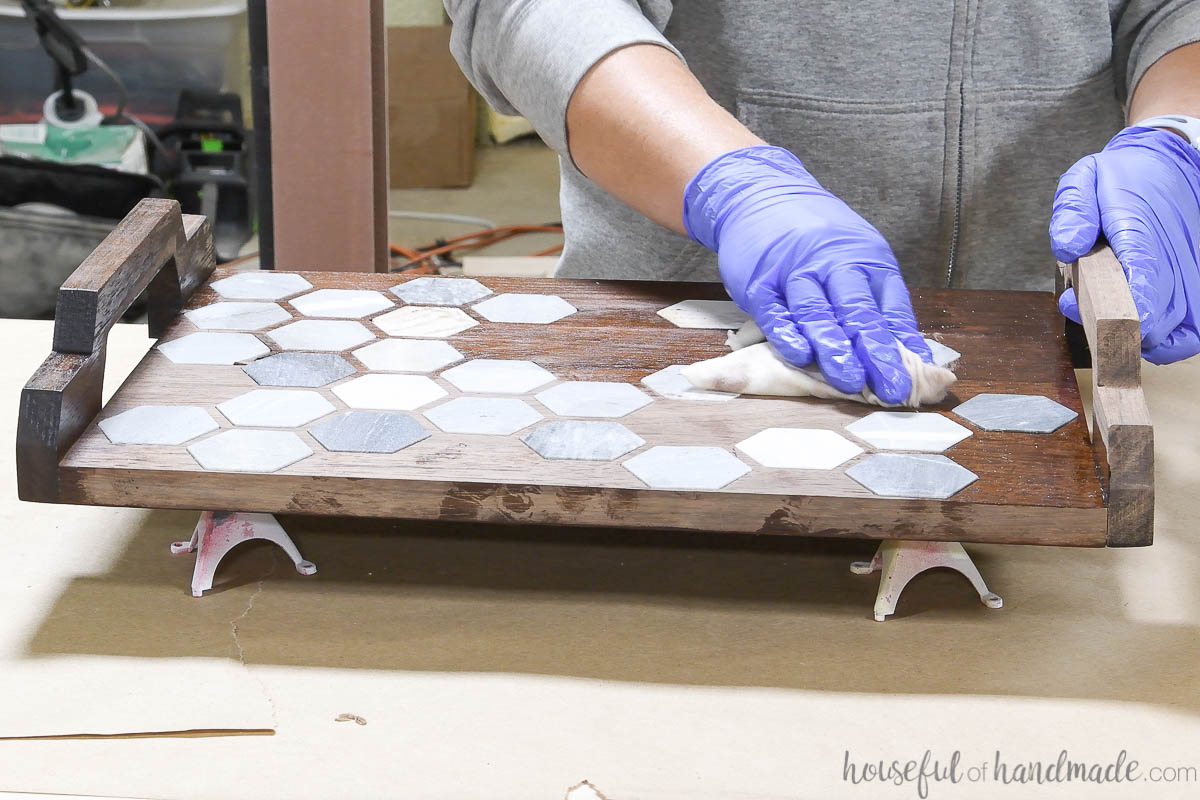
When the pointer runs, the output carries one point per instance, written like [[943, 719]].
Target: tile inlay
[[799, 448], [209, 347], [249, 451], [341, 303], [722, 314], [157, 425], [389, 392], [1020, 413], [671, 384], [582, 440], [914, 476], [497, 376], [438, 291], [299, 369], [491, 415], [237, 316], [593, 399], [368, 432], [424, 322], [260, 284], [926, 431], [705, 468], [275, 408], [407, 355], [536, 309], [326, 335], [943, 356]]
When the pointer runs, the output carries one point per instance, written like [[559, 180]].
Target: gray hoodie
[[946, 123]]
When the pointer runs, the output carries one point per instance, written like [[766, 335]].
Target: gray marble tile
[[593, 399], [671, 384], [326, 335], [299, 369], [237, 316], [260, 285], [703, 468], [249, 451], [535, 309], [368, 432], [210, 347], [798, 448], [407, 355], [438, 291], [389, 392], [498, 416], [424, 322], [343, 303], [157, 425], [1021, 413], [582, 440], [912, 476], [275, 408], [943, 356], [717, 314], [497, 376], [926, 431]]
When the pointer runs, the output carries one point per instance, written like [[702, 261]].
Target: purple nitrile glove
[[818, 279], [1142, 191]]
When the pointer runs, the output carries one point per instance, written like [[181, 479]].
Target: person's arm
[[1170, 86]]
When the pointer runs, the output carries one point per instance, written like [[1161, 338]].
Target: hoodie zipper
[[958, 191]]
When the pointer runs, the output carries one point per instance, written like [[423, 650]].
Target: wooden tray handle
[[154, 249], [1122, 435]]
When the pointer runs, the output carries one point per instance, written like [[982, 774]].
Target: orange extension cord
[[421, 260]]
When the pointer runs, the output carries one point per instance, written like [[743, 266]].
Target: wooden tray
[[1032, 489]]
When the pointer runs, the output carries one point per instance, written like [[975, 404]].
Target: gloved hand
[[1142, 191], [818, 279]]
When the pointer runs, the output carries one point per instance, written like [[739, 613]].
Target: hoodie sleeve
[[1146, 30]]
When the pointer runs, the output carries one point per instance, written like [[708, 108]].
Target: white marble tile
[[326, 335], [717, 314], [275, 408], [299, 369], [497, 376], [582, 440], [157, 425], [943, 356], [798, 448], [211, 347], [926, 431], [237, 316], [424, 322], [703, 468], [249, 451], [439, 291], [498, 416], [342, 303], [260, 285], [535, 309], [407, 355], [389, 392], [671, 384], [368, 432], [593, 399], [917, 476], [1020, 413]]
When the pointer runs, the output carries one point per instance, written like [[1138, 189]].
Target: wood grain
[[1109, 318]]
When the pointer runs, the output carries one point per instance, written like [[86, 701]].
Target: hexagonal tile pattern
[[431, 291], [389, 392], [671, 384], [498, 376], [798, 448], [582, 440], [275, 408], [326, 335], [491, 415], [723, 314], [208, 347], [342, 303], [534, 309], [368, 432], [299, 369], [1022, 413], [260, 285], [667, 467], [927, 432], [424, 322], [237, 316], [249, 451], [943, 356], [407, 355], [157, 425], [911, 476], [593, 399]]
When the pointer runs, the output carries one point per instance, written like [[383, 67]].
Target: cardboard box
[[431, 111]]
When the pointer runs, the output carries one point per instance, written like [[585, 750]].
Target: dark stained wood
[[172, 285]]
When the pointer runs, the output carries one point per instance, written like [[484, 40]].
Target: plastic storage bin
[[157, 47]]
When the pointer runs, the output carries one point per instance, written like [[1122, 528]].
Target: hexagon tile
[[582, 440], [723, 314], [260, 285], [593, 399], [157, 425], [912, 476], [327, 335], [535, 309], [943, 356], [671, 384], [928, 432], [1021, 413], [299, 369], [425, 322], [275, 408], [213, 348], [368, 432], [491, 415], [430, 291], [341, 303], [498, 376], [407, 355], [389, 392], [799, 448], [237, 316], [249, 451], [666, 467]]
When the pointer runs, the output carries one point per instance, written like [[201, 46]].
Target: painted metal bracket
[[218, 532], [901, 561]]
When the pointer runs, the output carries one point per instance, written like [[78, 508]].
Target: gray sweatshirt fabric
[[946, 123]]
